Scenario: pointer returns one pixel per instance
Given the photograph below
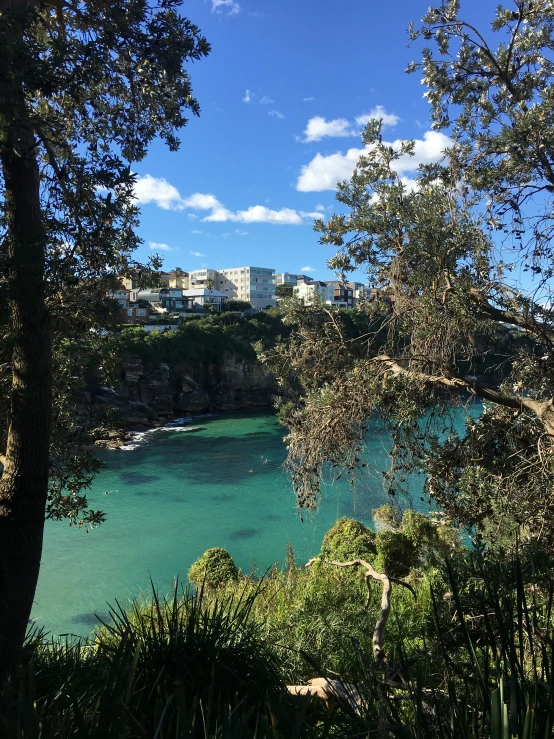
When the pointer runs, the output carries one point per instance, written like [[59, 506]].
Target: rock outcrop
[[148, 395]]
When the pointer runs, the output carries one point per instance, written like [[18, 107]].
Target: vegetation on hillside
[[467, 650]]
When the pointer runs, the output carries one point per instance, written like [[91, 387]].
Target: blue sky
[[283, 95]]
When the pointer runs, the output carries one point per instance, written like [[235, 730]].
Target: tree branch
[[380, 625], [542, 409]]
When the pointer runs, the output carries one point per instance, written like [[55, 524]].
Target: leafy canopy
[[450, 322]]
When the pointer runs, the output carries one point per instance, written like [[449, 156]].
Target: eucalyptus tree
[[85, 86], [444, 252]]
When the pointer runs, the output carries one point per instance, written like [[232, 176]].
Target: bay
[[179, 493]]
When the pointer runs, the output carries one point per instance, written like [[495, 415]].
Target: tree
[[236, 305], [84, 88], [284, 291], [457, 309]]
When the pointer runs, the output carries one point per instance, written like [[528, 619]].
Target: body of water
[[177, 494]]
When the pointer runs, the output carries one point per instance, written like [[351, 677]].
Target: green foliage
[[201, 339], [213, 569], [348, 539], [284, 291], [236, 305], [456, 308], [396, 553]]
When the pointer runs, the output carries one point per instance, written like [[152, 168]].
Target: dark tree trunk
[[24, 482]]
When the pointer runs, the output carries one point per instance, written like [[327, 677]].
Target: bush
[[348, 539], [213, 569], [396, 553]]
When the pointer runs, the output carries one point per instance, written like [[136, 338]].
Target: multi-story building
[[287, 278], [254, 285], [178, 279], [343, 294], [164, 299], [200, 298], [202, 278], [307, 291]]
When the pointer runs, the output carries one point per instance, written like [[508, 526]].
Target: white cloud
[[253, 214], [161, 247], [157, 190], [307, 269], [201, 202], [261, 214], [150, 189], [246, 98], [197, 254], [241, 233], [197, 232], [320, 208], [318, 127], [229, 7], [323, 172], [308, 100], [389, 119], [266, 101], [276, 114]]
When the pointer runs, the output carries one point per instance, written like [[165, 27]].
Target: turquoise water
[[179, 493]]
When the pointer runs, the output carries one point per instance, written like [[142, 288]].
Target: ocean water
[[177, 494]]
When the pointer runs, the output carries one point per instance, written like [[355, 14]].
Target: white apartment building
[[306, 291], [200, 278], [255, 285]]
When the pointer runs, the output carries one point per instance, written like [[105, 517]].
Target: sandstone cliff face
[[148, 395]]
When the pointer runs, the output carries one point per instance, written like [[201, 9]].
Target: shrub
[[348, 539], [396, 553], [213, 569]]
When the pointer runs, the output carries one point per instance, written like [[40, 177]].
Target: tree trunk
[[24, 482]]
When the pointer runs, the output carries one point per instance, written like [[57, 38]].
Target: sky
[[284, 95]]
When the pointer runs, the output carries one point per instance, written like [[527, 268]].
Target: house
[[136, 313], [343, 294], [120, 293], [308, 291], [201, 298], [164, 299]]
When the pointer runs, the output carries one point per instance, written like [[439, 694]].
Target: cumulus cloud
[[307, 269], [276, 114], [266, 101], [159, 191], [228, 7], [319, 128], [323, 172], [197, 254], [261, 214], [159, 247], [246, 98], [156, 190], [389, 119]]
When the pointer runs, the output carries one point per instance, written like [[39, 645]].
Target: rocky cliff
[[149, 395]]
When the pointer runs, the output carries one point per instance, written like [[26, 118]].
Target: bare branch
[[380, 625]]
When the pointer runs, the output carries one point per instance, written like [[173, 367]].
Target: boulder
[[196, 402]]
